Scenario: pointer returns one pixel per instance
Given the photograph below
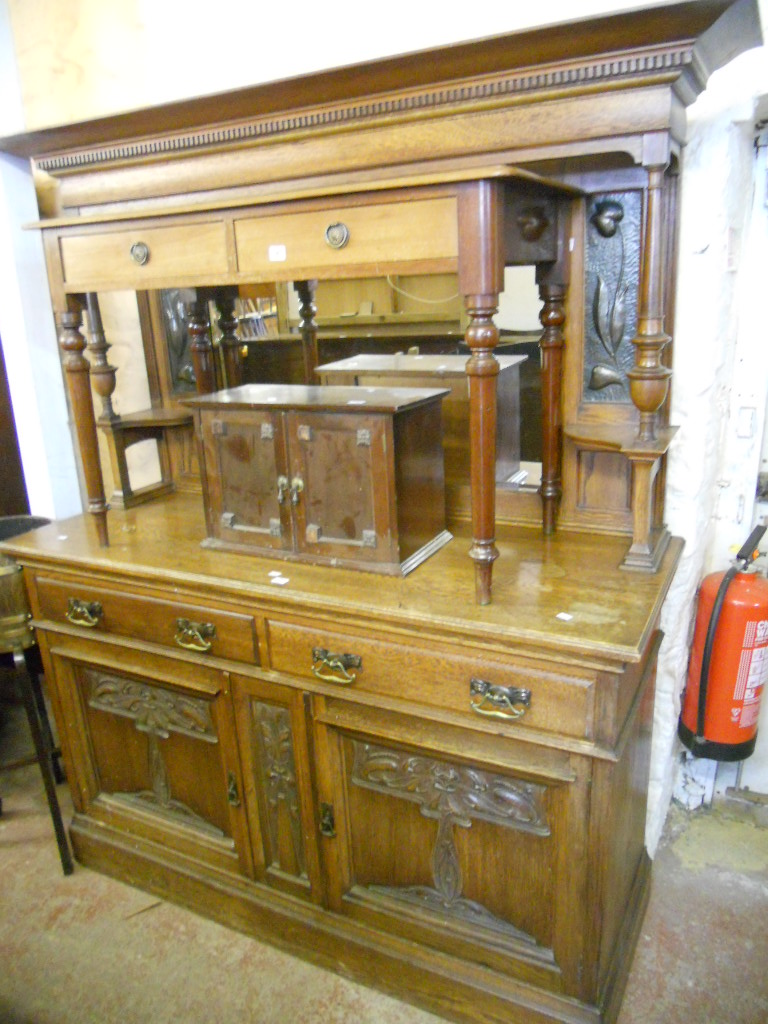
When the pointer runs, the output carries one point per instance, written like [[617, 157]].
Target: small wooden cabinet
[[332, 475]]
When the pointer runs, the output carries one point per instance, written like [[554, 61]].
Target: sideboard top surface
[[302, 397], [563, 595]]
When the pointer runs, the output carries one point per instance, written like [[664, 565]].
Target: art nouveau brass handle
[[194, 636], [84, 613], [333, 668], [498, 701], [282, 489]]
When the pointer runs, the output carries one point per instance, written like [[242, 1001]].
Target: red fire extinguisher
[[729, 661]]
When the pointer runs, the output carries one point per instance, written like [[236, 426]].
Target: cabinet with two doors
[[376, 791]]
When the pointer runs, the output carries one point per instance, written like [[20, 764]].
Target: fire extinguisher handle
[[750, 545]]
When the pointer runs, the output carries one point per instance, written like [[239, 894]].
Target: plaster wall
[[83, 58]]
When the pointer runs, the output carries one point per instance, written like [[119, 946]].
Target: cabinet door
[[272, 727], [345, 465], [247, 479], [153, 749], [471, 846]]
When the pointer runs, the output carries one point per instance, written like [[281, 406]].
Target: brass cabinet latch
[[233, 795], [498, 701], [327, 821]]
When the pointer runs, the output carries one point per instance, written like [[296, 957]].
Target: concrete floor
[[88, 950]]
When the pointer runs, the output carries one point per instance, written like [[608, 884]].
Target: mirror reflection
[[398, 330]]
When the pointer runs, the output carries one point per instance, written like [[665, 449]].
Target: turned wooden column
[[649, 385], [649, 378], [307, 327], [552, 317], [225, 299], [103, 375], [199, 328], [481, 280], [77, 375]]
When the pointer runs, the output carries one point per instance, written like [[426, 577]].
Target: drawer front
[[207, 631], [145, 257], [560, 701], [285, 244]]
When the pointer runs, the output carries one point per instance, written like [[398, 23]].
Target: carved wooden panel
[[150, 745], [433, 845], [612, 264], [276, 785], [455, 796]]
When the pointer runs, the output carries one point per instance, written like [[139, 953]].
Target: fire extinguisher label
[[752, 675]]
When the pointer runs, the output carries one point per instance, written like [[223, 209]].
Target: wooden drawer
[[152, 619], [187, 253], [560, 701], [284, 245]]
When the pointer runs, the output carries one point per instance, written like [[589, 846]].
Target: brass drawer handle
[[84, 613], [194, 636], [332, 668], [498, 701], [140, 253], [337, 235]]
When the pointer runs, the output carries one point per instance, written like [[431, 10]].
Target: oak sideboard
[[435, 782]]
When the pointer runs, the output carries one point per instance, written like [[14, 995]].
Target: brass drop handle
[[333, 668], [297, 486], [282, 489], [498, 701], [194, 636], [84, 613], [140, 253]]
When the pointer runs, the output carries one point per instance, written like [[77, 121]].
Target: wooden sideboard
[[437, 783]]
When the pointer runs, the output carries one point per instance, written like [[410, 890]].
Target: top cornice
[[612, 71], [678, 45]]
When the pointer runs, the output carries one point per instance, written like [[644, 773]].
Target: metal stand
[[44, 750]]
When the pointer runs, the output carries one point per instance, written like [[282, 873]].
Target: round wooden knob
[[337, 235], [140, 253]]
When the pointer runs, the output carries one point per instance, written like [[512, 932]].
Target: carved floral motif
[[454, 795], [156, 712], [613, 240], [273, 739]]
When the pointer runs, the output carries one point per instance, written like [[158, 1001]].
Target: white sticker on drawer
[[277, 254]]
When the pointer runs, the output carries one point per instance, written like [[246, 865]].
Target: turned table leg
[[77, 374]]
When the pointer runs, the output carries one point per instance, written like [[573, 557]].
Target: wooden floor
[[89, 950]]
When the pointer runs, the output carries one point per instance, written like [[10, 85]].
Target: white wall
[[721, 370], [93, 57], [26, 322]]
